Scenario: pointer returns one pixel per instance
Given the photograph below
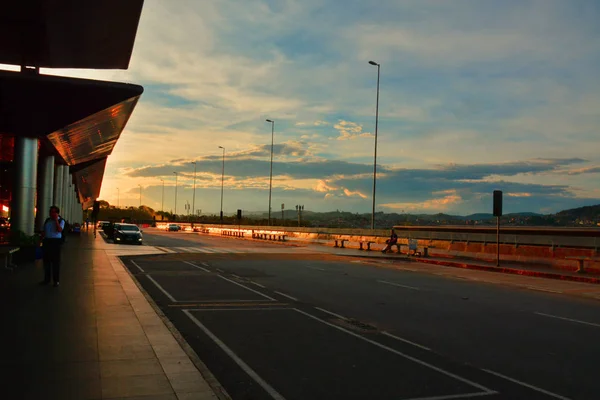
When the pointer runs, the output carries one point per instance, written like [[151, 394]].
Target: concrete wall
[[542, 249]]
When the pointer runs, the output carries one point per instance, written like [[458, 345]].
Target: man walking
[[53, 240]]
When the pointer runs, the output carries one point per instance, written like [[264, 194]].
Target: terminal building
[[57, 132]]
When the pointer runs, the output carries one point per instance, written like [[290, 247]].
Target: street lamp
[[375, 157], [118, 193], [162, 199], [175, 214], [271, 171], [194, 194], [140, 195], [222, 180]]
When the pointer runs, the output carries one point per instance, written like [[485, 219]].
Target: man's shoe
[[56, 284], [44, 282]]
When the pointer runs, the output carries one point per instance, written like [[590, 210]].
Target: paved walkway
[[94, 337]]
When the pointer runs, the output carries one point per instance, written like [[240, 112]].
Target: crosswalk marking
[[221, 250]]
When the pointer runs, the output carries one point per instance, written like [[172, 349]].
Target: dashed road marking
[[196, 266], [247, 288], [568, 319], [399, 285]]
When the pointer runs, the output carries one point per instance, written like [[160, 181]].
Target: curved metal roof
[[82, 119]]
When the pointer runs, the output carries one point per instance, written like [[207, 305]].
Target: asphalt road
[[278, 322]]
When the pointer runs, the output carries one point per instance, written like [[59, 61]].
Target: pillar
[[66, 191], [24, 186], [45, 192], [58, 186]]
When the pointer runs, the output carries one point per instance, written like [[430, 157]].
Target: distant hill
[[583, 213]]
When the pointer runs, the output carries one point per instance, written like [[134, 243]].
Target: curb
[[513, 271]]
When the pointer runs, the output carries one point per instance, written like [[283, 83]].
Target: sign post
[[497, 213]]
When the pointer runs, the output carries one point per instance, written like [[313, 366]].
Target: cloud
[[350, 130], [350, 193], [451, 198], [587, 170]]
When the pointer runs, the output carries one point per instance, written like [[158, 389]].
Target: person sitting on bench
[[393, 240]]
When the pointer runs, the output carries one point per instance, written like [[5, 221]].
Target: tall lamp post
[[194, 195], [375, 157], [118, 193], [222, 180], [175, 214], [271, 171], [140, 195], [162, 199]]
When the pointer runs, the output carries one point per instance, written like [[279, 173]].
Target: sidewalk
[[505, 267], [94, 337]]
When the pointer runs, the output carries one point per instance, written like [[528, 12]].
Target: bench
[[367, 243], [268, 236], [581, 261], [7, 252], [341, 242]]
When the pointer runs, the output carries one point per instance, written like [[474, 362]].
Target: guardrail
[[549, 237]]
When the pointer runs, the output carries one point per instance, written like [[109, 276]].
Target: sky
[[475, 96]]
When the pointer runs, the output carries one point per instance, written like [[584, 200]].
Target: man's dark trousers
[[52, 259]]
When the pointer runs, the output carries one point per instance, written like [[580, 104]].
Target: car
[[173, 227], [103, 224], [127, 233]]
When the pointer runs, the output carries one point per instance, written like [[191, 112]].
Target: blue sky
[[475, 95]]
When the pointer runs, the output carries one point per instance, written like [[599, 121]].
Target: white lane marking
[[258, 284], [236, 276], [205, 264], [384, 347], [162, 289], [245, 367], [543, 289], [138, 267], [240, 309], [455, 396], [331, 313], [568, 319], [405, 341], [220, 270], [215, 301], [399, 285], [247, 288], [286, 295], [527, 385], [196, 266], [316, 268]]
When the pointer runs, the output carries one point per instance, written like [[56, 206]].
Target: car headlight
[[140, 239], [118, 238]]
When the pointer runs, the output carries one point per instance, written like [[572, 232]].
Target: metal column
[[66, 193], [58, 186], [45, 190], [23, 201]]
